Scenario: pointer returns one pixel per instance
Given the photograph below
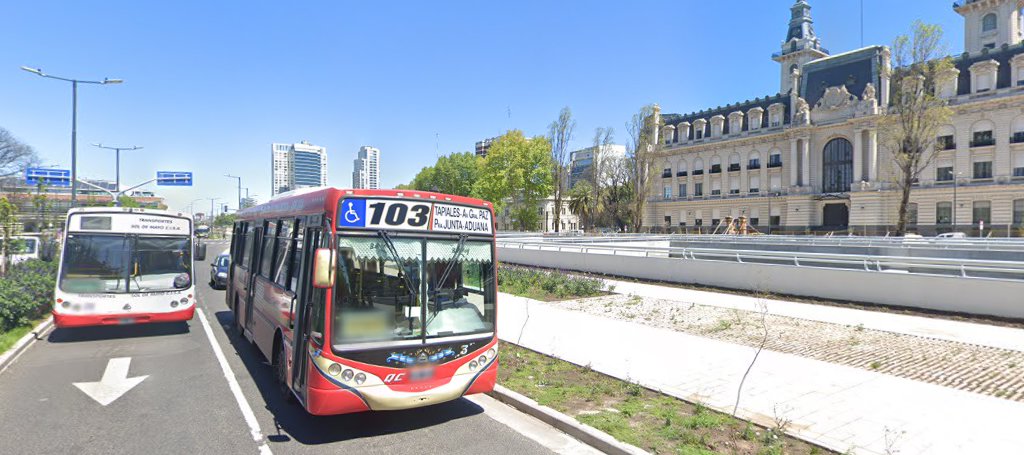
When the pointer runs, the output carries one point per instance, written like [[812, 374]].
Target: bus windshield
[[412, 288], [100, 263]]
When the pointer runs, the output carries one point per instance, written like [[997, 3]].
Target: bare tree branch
[[560, 133], [15, 156]]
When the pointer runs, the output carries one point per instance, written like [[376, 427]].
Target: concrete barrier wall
[[981, 296]]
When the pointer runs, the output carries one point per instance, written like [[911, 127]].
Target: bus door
[[309, 305], [250, 288]]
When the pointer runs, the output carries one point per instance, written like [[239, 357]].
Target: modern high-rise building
[[483, 146], [366, 169], [581, 162], [300, 165]]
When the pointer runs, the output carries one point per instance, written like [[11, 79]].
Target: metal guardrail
[[966, 268], [1001, 244]]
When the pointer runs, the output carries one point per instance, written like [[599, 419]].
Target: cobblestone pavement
[[980, 369]]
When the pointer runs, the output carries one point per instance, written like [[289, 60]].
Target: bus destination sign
[[414, 216], [131, 223]]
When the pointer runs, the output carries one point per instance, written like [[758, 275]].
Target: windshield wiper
[[444, 276], [386, 238]]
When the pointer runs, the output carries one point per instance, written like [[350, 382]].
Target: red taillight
[[190, 296], [60, 300]]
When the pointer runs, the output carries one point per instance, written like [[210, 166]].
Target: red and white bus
[[369, 299], [124, 266]]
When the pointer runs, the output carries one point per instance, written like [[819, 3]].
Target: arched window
[[754, 160], [681, 169], [1018, 130], [716, 164], [734, 162], [981, 134], [698, 166], [988, 23], [775, 159], [837, 172]]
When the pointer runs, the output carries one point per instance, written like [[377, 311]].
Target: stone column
[[793, 164], [744, 174], [805, 152], [872, 155], [858, 156]]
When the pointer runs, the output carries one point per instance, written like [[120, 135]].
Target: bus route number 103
[[398, 214]]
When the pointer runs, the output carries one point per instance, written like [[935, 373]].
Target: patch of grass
[[625, 410], [8, 338], [721, 326], [546, 285]]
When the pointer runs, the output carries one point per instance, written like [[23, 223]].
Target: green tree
[[451, 174], [41, 204], [517, 170], [582, 202], [127, 201], [915, 111], [224, 220], [8, 218]]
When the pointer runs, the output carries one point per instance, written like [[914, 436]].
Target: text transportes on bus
[[124, 266], [369, 299]]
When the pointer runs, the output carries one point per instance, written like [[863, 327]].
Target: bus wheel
[[281, 368], [238, 321]]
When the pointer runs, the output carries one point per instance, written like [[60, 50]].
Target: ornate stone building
[[809, 158]]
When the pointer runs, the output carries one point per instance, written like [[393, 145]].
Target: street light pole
[[74, 120], [117, 161], [211, 208], [239, 189]]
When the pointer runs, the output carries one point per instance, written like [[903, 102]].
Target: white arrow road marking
[[115, 382]]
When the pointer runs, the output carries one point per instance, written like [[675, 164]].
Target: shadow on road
[[113, 332], [292, 421]]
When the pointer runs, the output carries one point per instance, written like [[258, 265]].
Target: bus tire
[[281, 370], [239, 329]]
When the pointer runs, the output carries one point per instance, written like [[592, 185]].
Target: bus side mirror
[[323, 268]]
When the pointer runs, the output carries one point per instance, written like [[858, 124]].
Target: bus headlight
[[334, 369], [66, 304], [490, 353], [472, 365], [482, 360], [174, 303], [360, 378], [347, 375], [183, 301]]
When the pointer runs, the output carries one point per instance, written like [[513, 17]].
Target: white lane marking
[[115, 382], [236, 390]]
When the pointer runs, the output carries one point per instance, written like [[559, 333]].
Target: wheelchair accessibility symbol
[[350, 215], [353, 212]]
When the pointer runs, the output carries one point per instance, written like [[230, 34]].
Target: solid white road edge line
[[236, 390]]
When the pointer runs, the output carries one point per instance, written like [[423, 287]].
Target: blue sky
[[210, 85]]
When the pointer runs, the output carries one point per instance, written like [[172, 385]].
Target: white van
[[24, 247]]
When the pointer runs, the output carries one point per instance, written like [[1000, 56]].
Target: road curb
[[582, 432], [22, 344]]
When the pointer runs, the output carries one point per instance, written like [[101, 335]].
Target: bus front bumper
[[344, 399], [64, 320]]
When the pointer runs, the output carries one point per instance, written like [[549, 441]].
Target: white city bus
[[124, 266]]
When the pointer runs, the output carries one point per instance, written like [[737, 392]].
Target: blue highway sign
[[165, 178], [46, 176]]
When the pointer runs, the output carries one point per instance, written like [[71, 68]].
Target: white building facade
[[809, 158], [299, 165], [366, 169]]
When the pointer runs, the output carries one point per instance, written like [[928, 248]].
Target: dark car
[[219, 271]]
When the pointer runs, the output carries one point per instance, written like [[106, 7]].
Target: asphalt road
[[185, 404]]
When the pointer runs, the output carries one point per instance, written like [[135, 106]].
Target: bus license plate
[[125, 321]]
